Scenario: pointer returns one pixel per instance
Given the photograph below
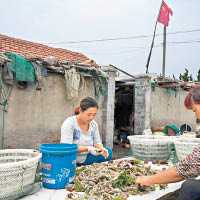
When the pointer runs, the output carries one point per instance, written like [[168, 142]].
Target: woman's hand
[[104, 152], [143, 180], [93, 150]]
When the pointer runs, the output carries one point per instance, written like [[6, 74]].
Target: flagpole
[[164, 53], [149, 57]]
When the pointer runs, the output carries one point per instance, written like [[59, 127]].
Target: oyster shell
[[109, 180]]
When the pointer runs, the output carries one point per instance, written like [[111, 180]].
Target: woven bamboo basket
[[145, 147], [185, 146], [17, 172]]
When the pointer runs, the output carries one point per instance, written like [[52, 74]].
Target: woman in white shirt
[[81, 129]]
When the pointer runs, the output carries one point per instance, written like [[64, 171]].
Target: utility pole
[[164, 53]]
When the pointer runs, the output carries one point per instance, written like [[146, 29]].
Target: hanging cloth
[[99, 85], [38, 75], [8, 74], [23, 69], [74, 83]]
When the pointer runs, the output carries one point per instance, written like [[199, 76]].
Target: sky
[[70, 23]]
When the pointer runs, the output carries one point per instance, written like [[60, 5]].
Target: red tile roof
[[27, 49]]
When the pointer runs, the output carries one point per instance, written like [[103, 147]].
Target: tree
[[180, 77], [198, 76], [185, 76], [190, 77]]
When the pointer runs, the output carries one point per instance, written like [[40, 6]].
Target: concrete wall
[[109, 112], [142, 105], [34, 117], [157, 107], [168, 108]]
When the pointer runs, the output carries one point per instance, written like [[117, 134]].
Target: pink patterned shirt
[[190, 166]]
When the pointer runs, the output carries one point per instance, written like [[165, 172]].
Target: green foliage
[[38, 177], [79, 187], [180, 77], [79, 170], [155, 186], [134, 192], [149, 171], [198, 76], [186, 77], [136, 161], [190, 77], [124, 179], [118, 198], [104, 177], [138, 169]]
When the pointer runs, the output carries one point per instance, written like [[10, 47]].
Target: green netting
[[23, 69]]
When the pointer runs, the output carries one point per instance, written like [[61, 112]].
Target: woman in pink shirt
[[188, 168]]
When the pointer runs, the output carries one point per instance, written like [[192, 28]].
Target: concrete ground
[[120, 152]]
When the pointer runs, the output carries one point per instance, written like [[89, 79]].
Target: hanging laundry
[[44, 71], [8, 74], [74, 83], [38, 75]]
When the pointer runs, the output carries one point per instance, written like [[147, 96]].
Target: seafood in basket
[[110, 180]]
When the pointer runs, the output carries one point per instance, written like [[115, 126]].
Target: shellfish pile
[[113, 180]]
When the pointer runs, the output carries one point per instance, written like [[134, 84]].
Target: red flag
[[164, 14]]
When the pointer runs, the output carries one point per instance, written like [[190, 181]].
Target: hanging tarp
[[23, 69]]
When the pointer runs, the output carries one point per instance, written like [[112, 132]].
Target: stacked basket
[[146, 147], [17, 172], [185, 146]]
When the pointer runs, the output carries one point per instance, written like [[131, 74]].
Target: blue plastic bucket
[[58, 164]]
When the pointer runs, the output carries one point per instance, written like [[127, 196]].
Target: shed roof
[[27, 49]]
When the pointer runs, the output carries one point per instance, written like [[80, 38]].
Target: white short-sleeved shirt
[[71, 133]]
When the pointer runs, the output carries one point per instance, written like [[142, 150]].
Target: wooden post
[[164, 53], [152, 44]]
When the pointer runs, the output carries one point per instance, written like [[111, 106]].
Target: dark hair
[[192, 97], [86, 103]]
